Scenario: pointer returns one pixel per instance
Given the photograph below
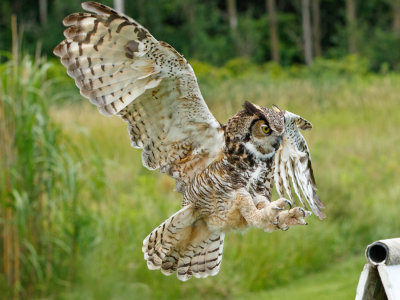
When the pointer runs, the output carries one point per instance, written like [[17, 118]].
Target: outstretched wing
[[293, 165], [123, 70]]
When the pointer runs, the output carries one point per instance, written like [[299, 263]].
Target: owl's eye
[[265, 129]]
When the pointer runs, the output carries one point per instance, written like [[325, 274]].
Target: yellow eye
[[265, 129]]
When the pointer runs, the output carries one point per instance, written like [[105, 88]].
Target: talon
[[289, 203], [286, 228], [304, 212], [276, 222], [276, 208]]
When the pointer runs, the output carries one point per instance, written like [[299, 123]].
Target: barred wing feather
[[293, 166], [123, 70]]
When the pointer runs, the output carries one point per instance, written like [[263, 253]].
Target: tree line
[[285, 31]]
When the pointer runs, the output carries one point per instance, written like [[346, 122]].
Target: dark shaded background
[[201, 29]]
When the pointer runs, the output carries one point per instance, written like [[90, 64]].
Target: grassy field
[[354, 146]]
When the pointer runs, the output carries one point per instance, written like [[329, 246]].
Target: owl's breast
[[212, 191], [260, 179]]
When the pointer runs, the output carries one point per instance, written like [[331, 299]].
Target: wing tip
[[98, 8], [89, 4], [59, 50], [319, 205], [317, 200], [320, 215]]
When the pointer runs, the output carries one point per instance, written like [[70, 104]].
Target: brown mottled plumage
[[225, 172]]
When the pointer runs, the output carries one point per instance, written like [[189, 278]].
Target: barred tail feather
[[207, 260], [162, 240], [185, 245]]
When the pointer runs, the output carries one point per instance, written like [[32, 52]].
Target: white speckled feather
[[292, 160]]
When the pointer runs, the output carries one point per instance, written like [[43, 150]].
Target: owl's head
[[255, 131]]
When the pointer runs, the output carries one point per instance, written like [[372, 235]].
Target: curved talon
[[303, 211], [276, 208], [285, 228], [306, 213], [289, 203]]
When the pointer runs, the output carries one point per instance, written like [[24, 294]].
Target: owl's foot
[[270, 216], [281, 215]]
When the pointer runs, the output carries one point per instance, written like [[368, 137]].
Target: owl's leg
[[271, 215], [260, 201]]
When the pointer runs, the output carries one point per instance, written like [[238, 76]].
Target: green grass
[[337, 282], [117, 202], [353, 145]]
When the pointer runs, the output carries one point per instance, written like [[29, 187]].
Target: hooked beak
[[277, 143]]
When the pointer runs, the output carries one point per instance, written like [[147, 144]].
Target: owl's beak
[[277, 143]]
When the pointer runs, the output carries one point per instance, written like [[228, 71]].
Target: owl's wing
[[293, 166], [123, 70]]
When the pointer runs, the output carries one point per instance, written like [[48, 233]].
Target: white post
[[380, 278]]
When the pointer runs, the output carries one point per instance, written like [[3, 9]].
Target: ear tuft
[[303, 124], [251, 108], [276, 108]]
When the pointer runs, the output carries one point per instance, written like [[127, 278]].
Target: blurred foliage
[[44, 224], [381, 49], [200, 30], [240, 67]]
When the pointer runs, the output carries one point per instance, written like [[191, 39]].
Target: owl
[[225, 172]]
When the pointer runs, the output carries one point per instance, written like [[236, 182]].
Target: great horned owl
[[225, 172]]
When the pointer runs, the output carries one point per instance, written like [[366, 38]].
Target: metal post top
[[385, 252]]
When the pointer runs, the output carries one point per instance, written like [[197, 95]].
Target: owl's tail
[[185, 245]]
